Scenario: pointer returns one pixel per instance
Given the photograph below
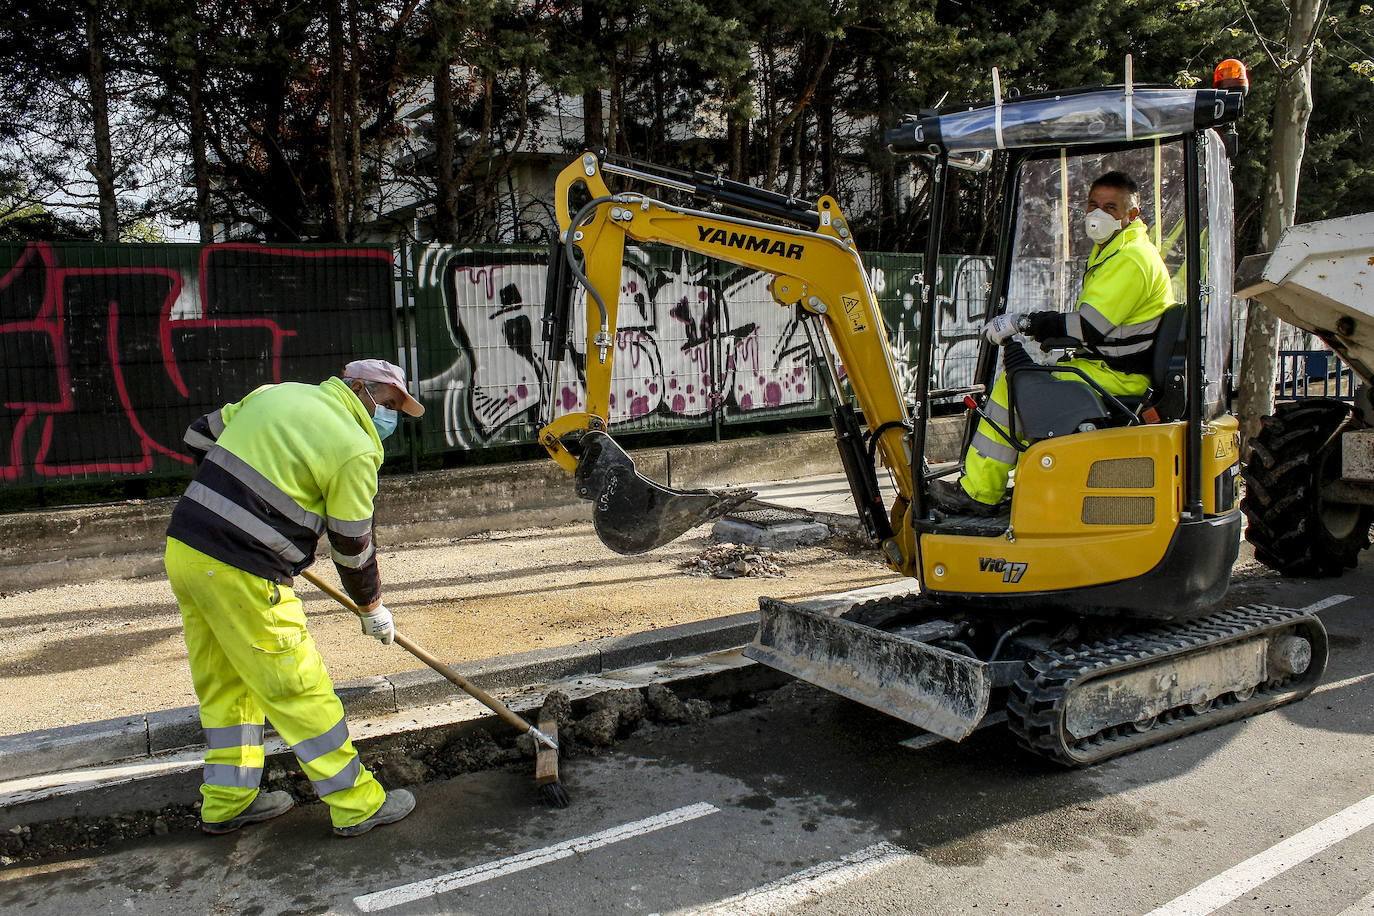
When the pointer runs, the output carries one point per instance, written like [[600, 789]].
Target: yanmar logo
[[1011, 572], [746, 242]]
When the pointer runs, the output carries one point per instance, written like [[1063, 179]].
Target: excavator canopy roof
[[1105, 115]]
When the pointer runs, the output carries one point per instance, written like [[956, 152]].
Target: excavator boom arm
[[818, 272]]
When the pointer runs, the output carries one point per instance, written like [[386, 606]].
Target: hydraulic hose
[[572, 262]]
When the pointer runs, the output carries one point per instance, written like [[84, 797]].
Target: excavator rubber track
[[1086, 705]]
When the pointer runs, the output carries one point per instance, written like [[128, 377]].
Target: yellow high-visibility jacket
[[1125, 290], [275, 471]]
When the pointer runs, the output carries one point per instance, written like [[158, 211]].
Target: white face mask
[[385, 419], [1100, 225]]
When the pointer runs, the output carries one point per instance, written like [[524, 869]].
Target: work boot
[[950, 497], [264, 807], [397, 805]]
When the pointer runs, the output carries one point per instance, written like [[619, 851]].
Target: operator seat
[[1044, 406], [1167, 393]]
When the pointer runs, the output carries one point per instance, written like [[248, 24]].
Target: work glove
[[377, 624], [1002, 328]]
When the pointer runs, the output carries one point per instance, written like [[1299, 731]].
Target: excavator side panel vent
[[1125, 473], [1118, 510]]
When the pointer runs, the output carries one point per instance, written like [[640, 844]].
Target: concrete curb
[[83, 543], [122, 540], [161, 748], [710, 667], [111, 741]]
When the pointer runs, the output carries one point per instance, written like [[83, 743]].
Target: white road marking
[[1340, 685], [408, 893], [1329, 601], [1212, 895], [1362, 907], [811, 883]]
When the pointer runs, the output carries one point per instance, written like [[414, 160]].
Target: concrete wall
[[120, 540]]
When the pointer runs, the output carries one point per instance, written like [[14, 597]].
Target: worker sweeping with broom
[[276, 470]]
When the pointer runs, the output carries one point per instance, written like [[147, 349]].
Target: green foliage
[[143, 230], [35, 224], [791, 94]]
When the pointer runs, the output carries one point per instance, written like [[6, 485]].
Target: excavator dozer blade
[[631, 513], [941, 691]]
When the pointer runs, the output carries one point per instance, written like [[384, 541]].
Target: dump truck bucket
[[633, 514], [938, 690]]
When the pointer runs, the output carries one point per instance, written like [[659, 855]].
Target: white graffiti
[[688, 343], [961, 303], [500, 324]]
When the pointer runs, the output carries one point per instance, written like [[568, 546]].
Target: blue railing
[[1314, 373]]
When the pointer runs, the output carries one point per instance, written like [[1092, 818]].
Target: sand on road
[[111, 648]]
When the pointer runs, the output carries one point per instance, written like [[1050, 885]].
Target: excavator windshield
[[1050, 249]]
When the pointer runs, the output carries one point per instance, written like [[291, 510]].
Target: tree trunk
[[613, 116], [658, 130], [825, 125], [102, 167], [593, 130], [1292, 109], [737, 127], [338, 153], [785, 126], [889, 200], [491, 180], [199, 164], [354, 211], [446, 210], [794, 160]]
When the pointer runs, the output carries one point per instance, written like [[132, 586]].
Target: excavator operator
[[1125, 290]]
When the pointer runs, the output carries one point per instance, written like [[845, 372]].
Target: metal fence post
[[404, 324], [713, 349]]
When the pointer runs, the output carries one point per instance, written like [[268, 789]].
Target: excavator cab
[[1119, 505]]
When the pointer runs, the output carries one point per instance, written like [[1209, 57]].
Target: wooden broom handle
[[477, 693]]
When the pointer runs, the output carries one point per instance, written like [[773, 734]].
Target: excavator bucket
[[938, 690], [631, 513]]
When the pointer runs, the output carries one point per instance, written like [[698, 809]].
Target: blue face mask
[[385, 419]]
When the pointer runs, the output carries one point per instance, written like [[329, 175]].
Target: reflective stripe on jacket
[[276, 470], [1125, 290]]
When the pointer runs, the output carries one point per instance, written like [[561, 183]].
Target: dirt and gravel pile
[[731, 561], [52, 838]]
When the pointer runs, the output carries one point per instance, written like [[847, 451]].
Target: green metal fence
[[110, 351]]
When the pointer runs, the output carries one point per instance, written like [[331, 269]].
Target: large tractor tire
[[1294, 528]]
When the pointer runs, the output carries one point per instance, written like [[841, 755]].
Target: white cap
[[379, 370]]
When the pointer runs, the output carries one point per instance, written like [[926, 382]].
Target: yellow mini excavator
[[1087, 611]]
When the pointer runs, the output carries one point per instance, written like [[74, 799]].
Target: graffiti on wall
[[961, 285], [107, 358], [691, 339], [695, 336]]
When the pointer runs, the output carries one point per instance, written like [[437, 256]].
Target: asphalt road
[[810, 804]]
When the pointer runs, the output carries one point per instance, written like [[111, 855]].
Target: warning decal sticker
[[854, 314]]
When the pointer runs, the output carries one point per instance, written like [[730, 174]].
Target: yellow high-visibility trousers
[[990, 457], [250, 655]]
